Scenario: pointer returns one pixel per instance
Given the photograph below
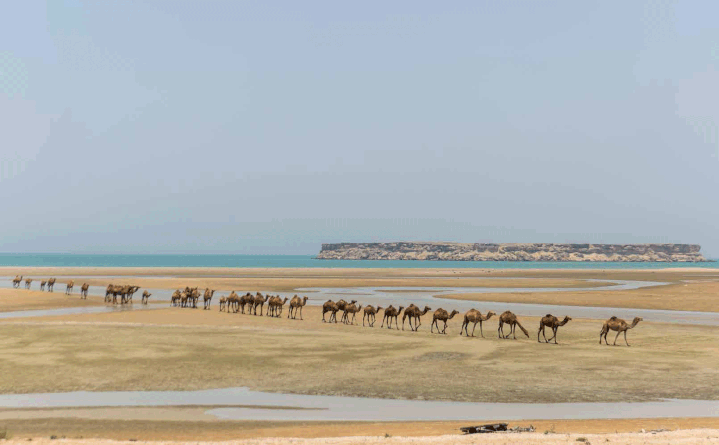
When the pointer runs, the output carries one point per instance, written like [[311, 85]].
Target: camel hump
[[548, 315], [614, 317]]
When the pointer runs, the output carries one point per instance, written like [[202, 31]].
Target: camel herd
[[234, 303]]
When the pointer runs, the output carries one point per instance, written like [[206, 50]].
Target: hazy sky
[[274, 126]]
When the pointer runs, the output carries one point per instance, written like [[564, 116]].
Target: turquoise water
[[280, 261]]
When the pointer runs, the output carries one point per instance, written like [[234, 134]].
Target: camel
[[619, 325], [43, 283], [233, 303], [208, 297], [414, 312], [16, 281], [370, 313], [145, 297], [175, 299], [28, 282], [259, 300], [245, 300], [51, 285], [474, 316], [553, 323], [350, 309], [275, 305], [83, 290], [341, 305], [184, 299], [223, 303], [331, 307], [68, 288], [391, 313], [511, 320], [296, 303], [441, 314]]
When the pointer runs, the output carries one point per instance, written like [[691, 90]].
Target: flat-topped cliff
[[437, 251]]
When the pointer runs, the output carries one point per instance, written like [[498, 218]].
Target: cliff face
[[511, 252]]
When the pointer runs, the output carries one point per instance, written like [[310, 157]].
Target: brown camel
[[619, 325], [296, 303], [552, 322], [370, 313], [391, 313], [68, 288], [246, 300], [51, 285], [43, 283], [350, 309], [341, 305], [145, 297], [223, 303], [28, 282], [414, 312], [331, 307], [441, 314], [207, 297], [16, 281], [259, 300], [83, 290], [474, 316], [511, 320]]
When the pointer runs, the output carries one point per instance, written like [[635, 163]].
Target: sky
[[271, 127]]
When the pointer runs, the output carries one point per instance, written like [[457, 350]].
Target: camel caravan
[[411, 315]]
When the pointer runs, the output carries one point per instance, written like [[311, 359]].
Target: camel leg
[[481, 332], [500, 331], [444, 331], [615, 338], [554, 336], [625, 338], [301, 313], [431, 327], [538, 332]]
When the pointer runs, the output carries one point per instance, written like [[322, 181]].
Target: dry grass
[[175, 349]]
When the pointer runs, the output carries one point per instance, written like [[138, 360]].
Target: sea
[[305, 261]]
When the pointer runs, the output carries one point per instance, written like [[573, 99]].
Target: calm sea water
[[280, 261]]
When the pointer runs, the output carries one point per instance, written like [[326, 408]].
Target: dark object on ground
[[489, 428]]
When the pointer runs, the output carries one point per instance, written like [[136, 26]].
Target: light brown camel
[[370, 313], [276, 305], [296, 303], [28, 282], [51, 285], [553, 323], [16, 281], [223, 303], [350, 309], [511, 320], [619, 325], [68, 288], [233, 302], [341, 305], [83, 290], [441, 314], [146, 297], [174, 300], [207, 297], [43, 283], [474, 316], [259, 300], [414, 312], [391, 313]]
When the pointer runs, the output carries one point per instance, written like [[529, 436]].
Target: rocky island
[[439, 251]]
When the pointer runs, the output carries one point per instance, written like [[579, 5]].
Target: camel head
[[284, 301], [455, 312], [426, 309], [490, 314], [400, 310], [567, 319], [304, 300], [353, 301], [636, 320], [379, 308]]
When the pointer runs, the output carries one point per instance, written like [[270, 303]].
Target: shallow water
[[359, 409]]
